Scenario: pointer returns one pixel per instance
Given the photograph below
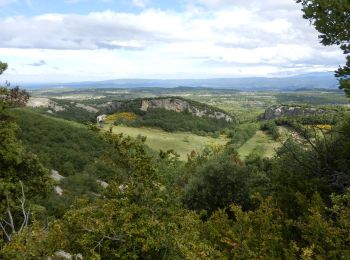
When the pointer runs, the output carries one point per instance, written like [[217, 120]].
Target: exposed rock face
[[87, 108], [290, 111], [103, 184], [58, 190], [179, 105], [62, 255], [45, 102], [56, 176], [112, 105], [54, 107]]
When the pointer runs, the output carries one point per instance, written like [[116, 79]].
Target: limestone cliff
[[278, 111], [180, 105], [54, 106]]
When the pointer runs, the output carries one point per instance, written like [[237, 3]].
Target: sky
[[81, 40]]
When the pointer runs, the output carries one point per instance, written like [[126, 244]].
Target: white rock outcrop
[[56, 176], [179, 105]]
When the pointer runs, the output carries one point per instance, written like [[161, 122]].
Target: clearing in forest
[[262, 143], [181, 142]]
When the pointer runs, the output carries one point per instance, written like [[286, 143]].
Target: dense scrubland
[[270, 188], [266, 189]]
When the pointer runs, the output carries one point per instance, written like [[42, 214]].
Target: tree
[[218, 183], [3, 67], [21, 172], [332, 19]]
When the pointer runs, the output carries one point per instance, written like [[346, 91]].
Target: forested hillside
[[71, 190]]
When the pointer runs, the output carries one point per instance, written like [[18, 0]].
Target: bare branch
[[8, 237], [10, 222], [25, 214]]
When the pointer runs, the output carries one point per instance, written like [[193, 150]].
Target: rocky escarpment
[[180, 105], [56, 107], [168, 103], [290, 111]]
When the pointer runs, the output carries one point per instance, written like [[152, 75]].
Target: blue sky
[[78, 40], [37, 7]]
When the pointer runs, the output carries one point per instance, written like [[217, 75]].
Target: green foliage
[[83, 156], [316, 98], [271, 128], [172, 121], [21, 172], [63, 146], [73, 112], [3, 67], [17, 164], [242, 133], [293, 206], [316, 163], [256, 234], [326, 119], [141, 215], [326, 237], [331, 19], [218, 183]]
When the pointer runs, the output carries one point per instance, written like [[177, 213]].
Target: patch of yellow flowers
[[324, 127], [123, 115]]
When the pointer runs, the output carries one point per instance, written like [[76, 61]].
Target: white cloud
[[232, 39], [140, 3]]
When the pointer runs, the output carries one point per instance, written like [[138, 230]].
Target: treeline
[[172, 121], [310, 99], [330, 119], [73, 112], [240, 134]]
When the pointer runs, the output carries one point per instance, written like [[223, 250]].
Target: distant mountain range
[[321, 80]]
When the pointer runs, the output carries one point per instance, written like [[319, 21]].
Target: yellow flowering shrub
[[324, 127], [129, 116]]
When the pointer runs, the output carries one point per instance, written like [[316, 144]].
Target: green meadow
[[261, 143], [181, 142]]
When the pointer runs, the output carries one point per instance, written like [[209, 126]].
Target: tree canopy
[[332, 19], [3, 67]]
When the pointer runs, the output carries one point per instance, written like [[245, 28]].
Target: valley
[[196, 129], [183, 143], [82, 105], [121, 154]]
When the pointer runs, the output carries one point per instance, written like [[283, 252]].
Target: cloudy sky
[[76, 40]]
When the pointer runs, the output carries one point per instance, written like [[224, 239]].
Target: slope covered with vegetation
[[294, 205], [184, 120]]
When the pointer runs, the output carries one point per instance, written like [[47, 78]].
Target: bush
[[216, 184], [241, 134], [271, 128], [172, 121]]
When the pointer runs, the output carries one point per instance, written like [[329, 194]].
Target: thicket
[[271, 128], [72, 112], [172, 121], [62, 145], [325, 119], [282, 207], [241, 133]]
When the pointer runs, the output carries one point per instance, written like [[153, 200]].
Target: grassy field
[[181, 142], [262, 143]]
